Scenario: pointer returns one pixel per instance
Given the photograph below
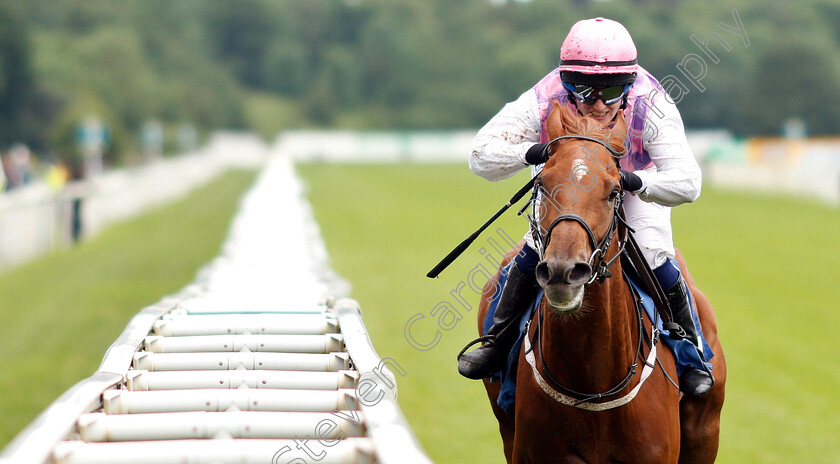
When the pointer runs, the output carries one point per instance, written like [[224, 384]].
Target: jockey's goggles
[[589, 95]]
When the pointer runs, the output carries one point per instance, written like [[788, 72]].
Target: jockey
[[599, 76]]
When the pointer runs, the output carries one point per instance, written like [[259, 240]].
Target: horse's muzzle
[[563, 282]]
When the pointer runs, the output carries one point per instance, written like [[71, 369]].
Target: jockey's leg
[[693, 380], [652, 223], [518, 294]]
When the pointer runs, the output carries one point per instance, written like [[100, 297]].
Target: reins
[[600, 271], [580, 400]]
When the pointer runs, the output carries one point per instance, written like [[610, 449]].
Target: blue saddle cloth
[[684, 352]]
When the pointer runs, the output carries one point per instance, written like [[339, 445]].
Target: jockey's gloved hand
[[537, 154], [631, 182]]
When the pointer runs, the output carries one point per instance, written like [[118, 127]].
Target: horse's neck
[[592, 351]]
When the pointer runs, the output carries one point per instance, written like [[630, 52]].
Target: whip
[[453, 255]]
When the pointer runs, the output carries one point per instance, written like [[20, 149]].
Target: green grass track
[[768, 264], [60, 313]]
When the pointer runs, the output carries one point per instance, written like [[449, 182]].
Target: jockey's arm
[[676, 177], [498, 150]]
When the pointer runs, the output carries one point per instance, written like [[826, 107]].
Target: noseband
[[600, 267]]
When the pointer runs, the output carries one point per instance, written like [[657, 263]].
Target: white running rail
[[253, 363]]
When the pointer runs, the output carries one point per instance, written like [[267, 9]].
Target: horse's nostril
[[579, 273], [543, 273], [561, 273]]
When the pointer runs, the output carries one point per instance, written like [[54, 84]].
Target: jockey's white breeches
[[652, 223]]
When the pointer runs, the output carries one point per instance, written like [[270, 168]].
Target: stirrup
[[485, 338]]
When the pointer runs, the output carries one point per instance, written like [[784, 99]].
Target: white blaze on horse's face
[[579, 169]]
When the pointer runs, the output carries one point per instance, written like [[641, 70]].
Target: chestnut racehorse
[[586, 334]]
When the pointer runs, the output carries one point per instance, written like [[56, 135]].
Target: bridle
[[600, 271], [598, 264], [600, 267]]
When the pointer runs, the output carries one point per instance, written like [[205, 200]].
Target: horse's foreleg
[[699, 429], [506, 423], [700, 415]]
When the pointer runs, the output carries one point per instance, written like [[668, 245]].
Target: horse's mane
[[573, 123], [583, 125]]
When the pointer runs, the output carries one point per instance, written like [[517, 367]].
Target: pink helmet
[[598, 46]]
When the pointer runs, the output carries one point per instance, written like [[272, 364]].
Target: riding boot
[[693, 381], [518, 294]]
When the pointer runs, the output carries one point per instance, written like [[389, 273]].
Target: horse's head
[[574, 219]]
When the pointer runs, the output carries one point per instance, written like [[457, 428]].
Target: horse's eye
[[613, 195]]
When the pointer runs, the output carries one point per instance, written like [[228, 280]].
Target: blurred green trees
[[20, 109], [274, 64]]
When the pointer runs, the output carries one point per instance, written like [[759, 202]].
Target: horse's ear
[[617, 135], [555, 124]]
